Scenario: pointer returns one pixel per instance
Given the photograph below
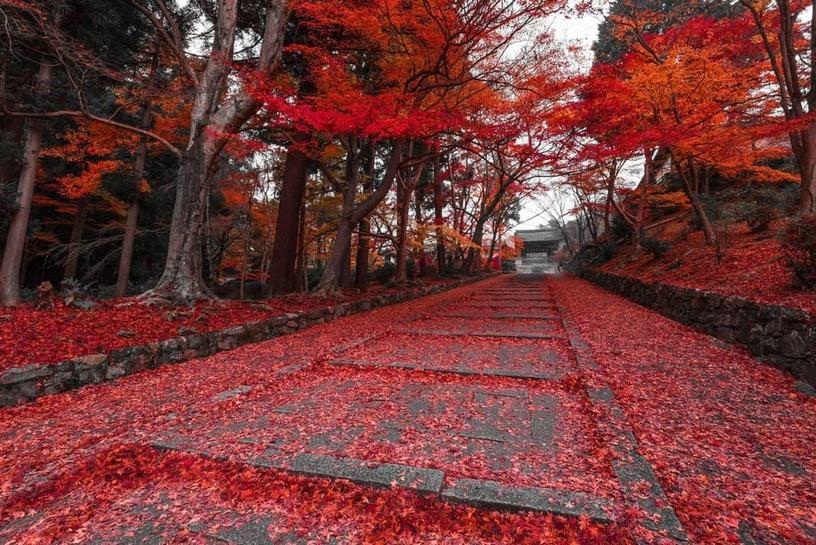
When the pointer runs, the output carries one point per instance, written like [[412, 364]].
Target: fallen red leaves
[[730, 439], [73, 471], [754, 267], [131, 492], [48, 336]]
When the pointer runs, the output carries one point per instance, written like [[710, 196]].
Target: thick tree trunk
[[182, 279], [331, 275], [16, 238], [283, 277], [346, 280], [807, 170], [351, 215], [75, 242]]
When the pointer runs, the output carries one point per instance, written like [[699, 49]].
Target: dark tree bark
[[126, 257], [283, 277], [406, 185], [212, 118], [352, 214], [419, 198], [301, 271], [75, 241], [439, 219], [361, 272], [16, 237]]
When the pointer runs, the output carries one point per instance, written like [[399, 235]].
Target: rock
[[234, 392], [793, 345], [125, 334], [84, 304], [804, 388], [22, 374]]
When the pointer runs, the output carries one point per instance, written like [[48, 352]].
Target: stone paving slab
[[493, 495], [376, 430], [479, 313], [640, 486], [428, 481], [522, 305], [488, 326], [507, 373], [493, 334], [532, 359]]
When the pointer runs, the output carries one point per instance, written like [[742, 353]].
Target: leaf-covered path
[[429, 422]]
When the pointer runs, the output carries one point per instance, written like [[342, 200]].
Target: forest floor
[[425, 422], [754, 265], [50, 335]]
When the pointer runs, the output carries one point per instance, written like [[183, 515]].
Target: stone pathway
[[500, 410]]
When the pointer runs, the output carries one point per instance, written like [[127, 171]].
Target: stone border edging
[[29, 382], [640, 486], [781, 336]]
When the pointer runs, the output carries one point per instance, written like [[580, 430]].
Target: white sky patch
[[579, 32]]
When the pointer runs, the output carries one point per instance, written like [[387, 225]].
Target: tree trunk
[[331, 275], [126, 257], [807, 170], [418, 198], [16, 238], [345, 280], [75, 242], [403, 197], [302, 270], [474, 257], [182, 279], [361, 272], [439, 223], [214, 113], [285, 250], [697, 205], [351, 215]]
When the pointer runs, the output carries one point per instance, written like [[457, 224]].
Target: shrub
[[620, 229], [606, 251], [799, 244], [757, 214], [658, 248], [760, 218], [385, 273]]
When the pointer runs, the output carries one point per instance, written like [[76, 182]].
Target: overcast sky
[[580, 31]]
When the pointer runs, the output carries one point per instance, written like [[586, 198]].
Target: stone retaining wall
[[21, 384], [782, 336]]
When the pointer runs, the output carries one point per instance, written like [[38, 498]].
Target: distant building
[[540, 245]]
